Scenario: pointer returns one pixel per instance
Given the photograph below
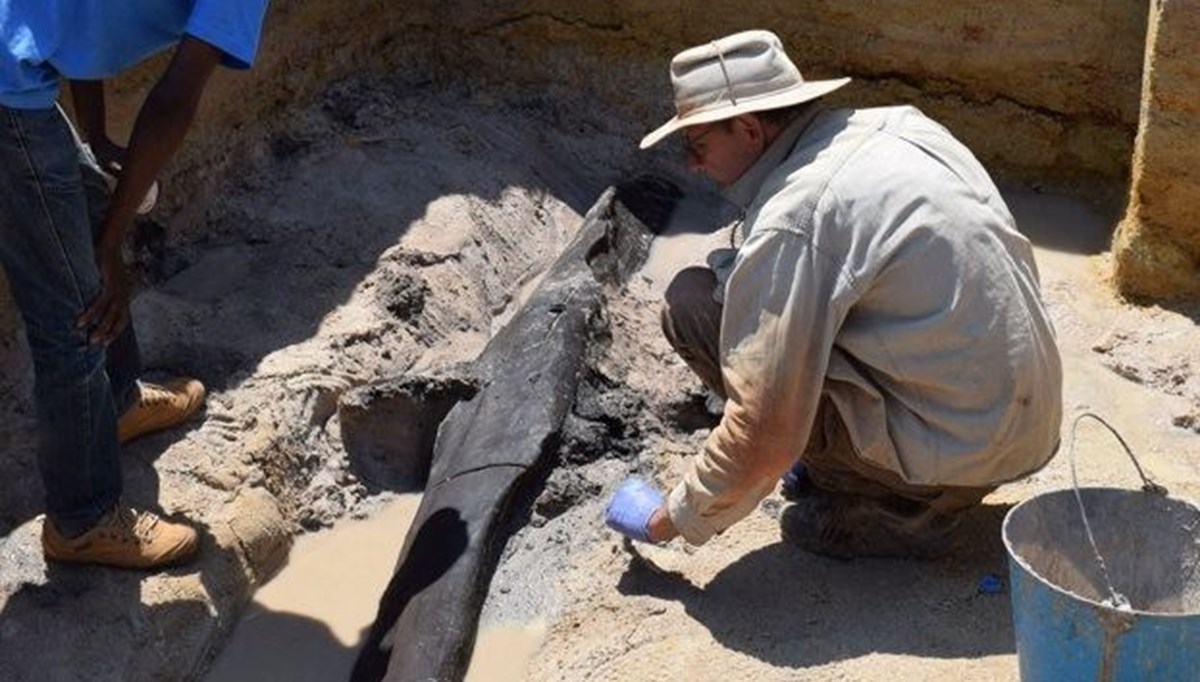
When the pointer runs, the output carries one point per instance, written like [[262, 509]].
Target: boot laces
[[127, 523], [153, 394]]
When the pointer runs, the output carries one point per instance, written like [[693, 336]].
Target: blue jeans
[[53, 199]]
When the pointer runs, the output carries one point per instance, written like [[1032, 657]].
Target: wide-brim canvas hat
[[734, 75]]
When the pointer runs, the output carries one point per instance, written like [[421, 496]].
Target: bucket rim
[[1014, 556]]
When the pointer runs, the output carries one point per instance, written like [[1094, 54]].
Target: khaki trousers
[[691, 321]]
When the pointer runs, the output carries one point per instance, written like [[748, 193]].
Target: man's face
[[723, 150]]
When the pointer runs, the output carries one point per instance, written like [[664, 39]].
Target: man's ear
[[751, 128]]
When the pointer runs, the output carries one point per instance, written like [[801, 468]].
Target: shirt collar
[[745, 188]]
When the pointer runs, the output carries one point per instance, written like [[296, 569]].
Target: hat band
[[725, 72]]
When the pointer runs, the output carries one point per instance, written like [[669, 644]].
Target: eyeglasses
[[694, 153]]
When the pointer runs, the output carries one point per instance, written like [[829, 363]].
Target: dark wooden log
[[490, 449]]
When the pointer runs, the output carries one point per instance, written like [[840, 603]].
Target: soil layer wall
[[1157, 249], [1046, 94]]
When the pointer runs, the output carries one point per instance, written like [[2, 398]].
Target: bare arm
[[161, 125]]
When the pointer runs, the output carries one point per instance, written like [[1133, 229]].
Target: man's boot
[[160, 407], [125, 538], [849, 527]]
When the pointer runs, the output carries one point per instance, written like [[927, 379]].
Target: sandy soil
[[377, 232], [381, 233], [748, 607]]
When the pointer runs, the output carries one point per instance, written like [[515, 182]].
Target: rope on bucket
[[1116, 599]]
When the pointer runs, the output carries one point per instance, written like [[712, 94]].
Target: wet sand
[[307, 623]]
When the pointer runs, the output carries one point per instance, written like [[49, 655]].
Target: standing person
[[879, 336], [61, 236]]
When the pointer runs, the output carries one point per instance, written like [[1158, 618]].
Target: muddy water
[[307, 623], [503, 652]]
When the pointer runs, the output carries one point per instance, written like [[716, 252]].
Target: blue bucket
[[1109, 595]]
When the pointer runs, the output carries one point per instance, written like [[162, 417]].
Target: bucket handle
[[1116, 599]]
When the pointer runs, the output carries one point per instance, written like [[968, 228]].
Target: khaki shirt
[[881, 268]]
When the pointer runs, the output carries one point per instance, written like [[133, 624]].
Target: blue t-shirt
[[93, 39]]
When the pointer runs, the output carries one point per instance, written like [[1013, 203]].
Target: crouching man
[[879, 336]]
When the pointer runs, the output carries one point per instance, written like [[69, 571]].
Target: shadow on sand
[[793, 609]]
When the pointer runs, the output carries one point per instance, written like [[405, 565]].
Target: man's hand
[[162, 122], [108, 314], [631, 508], [110, 156]]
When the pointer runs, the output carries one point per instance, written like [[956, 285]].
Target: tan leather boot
[[160, 407], [126, 538]]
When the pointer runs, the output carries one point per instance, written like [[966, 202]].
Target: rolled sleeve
[[683, 511], [232, 26]]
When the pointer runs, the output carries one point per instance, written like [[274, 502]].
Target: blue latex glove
[[631, 507]]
